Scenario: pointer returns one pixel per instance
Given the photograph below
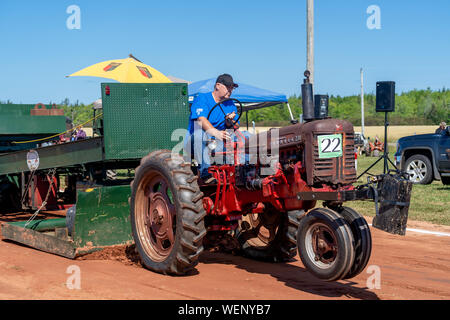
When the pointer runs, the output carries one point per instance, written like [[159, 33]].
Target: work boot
[[208, 179]]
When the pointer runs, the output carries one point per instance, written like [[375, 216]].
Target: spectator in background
[[61, 139], [441, 129], [80, 134]]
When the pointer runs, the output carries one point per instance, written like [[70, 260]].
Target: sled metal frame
[[102, 220]]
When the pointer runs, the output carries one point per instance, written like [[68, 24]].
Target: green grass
[[429, 203]]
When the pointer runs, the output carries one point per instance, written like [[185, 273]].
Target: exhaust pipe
[[307, 98]]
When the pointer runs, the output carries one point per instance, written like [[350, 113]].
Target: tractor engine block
[[300, 142]]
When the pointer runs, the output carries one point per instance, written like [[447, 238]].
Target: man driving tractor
[[208, 122]]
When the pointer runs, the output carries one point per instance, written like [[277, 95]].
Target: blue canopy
[[251, 97]]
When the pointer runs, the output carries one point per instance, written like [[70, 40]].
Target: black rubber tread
[[445, 180], [70, 218], [9, 197], [344, 237], [363, 240], [429, 176], [283, 248], [190, 214]]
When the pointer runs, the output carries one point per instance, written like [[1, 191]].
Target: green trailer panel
[[140, 118], [56, 156], [18, 124], [102, 218], [26, 124], [16, 109]]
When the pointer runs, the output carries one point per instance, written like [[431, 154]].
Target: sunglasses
[[229, 88]]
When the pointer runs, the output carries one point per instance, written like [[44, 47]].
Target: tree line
[[415, 107]]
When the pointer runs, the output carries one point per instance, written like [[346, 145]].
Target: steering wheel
[[225, 115]]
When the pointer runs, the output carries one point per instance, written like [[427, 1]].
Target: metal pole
[[310, 38], [362, 103], [386, 151], [290, 111], [246, 118]]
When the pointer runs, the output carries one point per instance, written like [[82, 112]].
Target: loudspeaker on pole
[[385, 96]]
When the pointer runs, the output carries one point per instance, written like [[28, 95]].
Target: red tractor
[[266, 216]]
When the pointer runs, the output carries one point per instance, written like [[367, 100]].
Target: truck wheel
[[363, 239], [269, 236], [325, 244], [445, 180], [166, 213], [419, 169]]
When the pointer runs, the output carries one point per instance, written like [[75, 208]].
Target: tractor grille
[[336, 170]]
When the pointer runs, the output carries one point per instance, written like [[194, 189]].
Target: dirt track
[[416, 266]]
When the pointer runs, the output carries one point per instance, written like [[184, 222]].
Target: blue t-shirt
[[202, 105]]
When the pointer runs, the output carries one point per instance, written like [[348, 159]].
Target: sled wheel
[[363, 240], [9, 197], [166, 213], [269, 236], [325, 244]]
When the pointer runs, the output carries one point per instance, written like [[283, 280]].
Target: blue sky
[[262, 43]]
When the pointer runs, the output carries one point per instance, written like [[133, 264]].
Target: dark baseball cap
[[226, 80]]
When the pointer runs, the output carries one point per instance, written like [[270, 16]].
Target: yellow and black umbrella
[[124, 70]]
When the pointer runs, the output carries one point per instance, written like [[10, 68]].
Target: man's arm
[[208, 128], [231, 117]]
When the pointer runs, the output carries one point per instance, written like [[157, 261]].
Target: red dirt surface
[[415, 266]]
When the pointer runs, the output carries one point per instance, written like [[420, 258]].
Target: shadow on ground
[[292, 276]]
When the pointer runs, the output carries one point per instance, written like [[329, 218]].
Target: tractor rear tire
[[167, 214], [325, 244], [363, 239], [278, 244]]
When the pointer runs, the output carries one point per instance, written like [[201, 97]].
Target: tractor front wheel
[[363, 239], [269, 236], [325, 244], [167, 215]]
